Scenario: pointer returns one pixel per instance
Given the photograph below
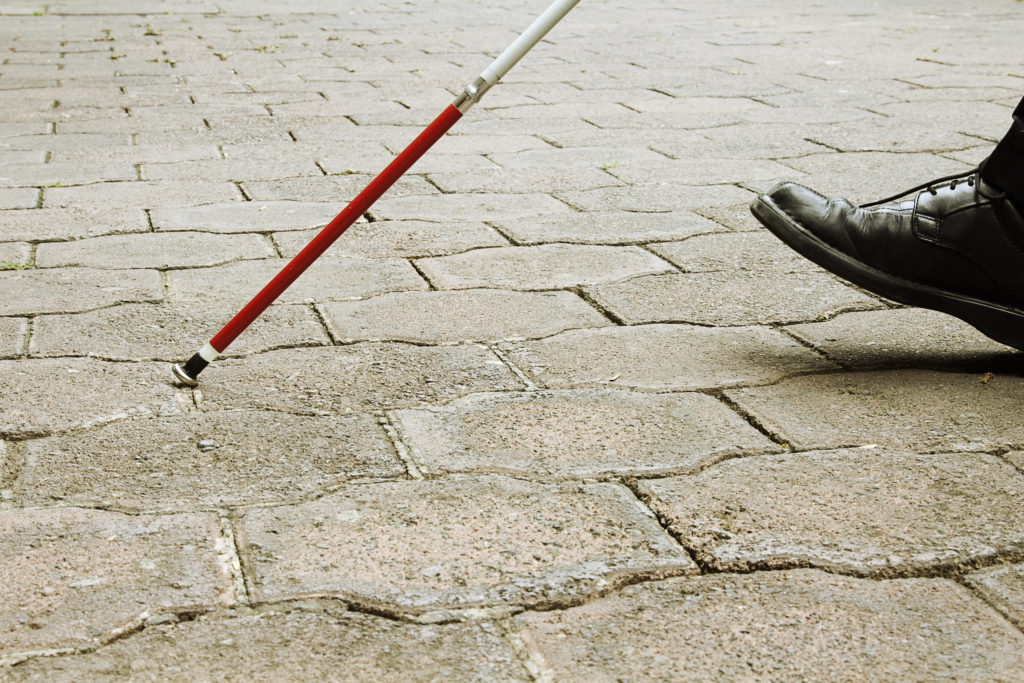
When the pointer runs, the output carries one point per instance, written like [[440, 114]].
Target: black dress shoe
[[955, 245]]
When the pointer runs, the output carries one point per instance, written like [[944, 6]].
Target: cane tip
[[183, 377]]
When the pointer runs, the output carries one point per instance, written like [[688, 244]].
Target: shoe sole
[[1003, 324]]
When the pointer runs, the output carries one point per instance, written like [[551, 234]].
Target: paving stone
[[399, 239], [904, 336], [909, 409], [215, 170], [141, 194], [153, 250], [49, 224], [463, 315], [662, 357], [77, 577], [274, 644], [524, 181], [48, 395], [577, 433], [549, 266], [1003, 587], [795, 625], [728, 298], [464, 542], [612, 227], [942, 512], [745, 251], [325, 280], [63, 173], [700, 171], [358, 377], [261, 216], [468, 207], [205, 460], [168, 332], [339, 188], [656, 198], [67, 290], [12, 336], [13, 254], [1015, 458], [18, 197]]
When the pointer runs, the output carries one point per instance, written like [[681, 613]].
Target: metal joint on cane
[[471, 94]]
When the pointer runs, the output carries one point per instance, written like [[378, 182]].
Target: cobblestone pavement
[[556, 409]]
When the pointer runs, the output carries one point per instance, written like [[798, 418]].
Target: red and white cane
[[188, 373]]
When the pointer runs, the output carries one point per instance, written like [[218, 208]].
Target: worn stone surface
[[150, 195], [915, 410], [12, 336], [36, 392], [72, 223], [611, 227], [205, 460], [577, 433], [905, 336], [15, 254], [18, 197], [462, 315], [326, 280], [822, 509], [1003, 587], [746, 251], [68, 290], [456, 542], [358, 377], [289, 645], [662, 357], [169, 332], [728, 298], [792, 625], [77, 577], [399, 239], [541, 267], [230, 217], [167, 250]]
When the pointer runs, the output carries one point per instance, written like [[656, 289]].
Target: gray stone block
[[68, 290], [154, 250], [399, 239], [464, 542], [610, 227], [1003, 587], [63, 224], [258, 216]]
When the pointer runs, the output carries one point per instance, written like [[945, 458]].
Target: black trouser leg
[[1005, 168]]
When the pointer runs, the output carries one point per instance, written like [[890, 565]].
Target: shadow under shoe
[[954, 245]]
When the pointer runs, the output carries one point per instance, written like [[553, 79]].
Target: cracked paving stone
[[76, 577], [399, 239], [459, 315], [611, 227], [822, 509], [325, 280], [205, 459], [577, 433], [12, 336], [663, 357], [743, 251], [301, 644], [733, 298], [45, 395], [1003, 587], [61, 224], [366, 376], [142, 194], [471, 207], [165, 332], [246, 216], [915, 410], [656, 198], [457, 542], [153, 250], [64, 173], [793, 625], [905, 335], [522, 180], [69, 290], [549, 266]]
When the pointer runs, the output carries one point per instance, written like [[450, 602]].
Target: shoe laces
[[972, 178]]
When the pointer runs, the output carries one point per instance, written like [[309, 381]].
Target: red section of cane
[[356, 208]]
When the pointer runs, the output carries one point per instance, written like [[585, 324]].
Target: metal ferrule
[[471, 94]]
